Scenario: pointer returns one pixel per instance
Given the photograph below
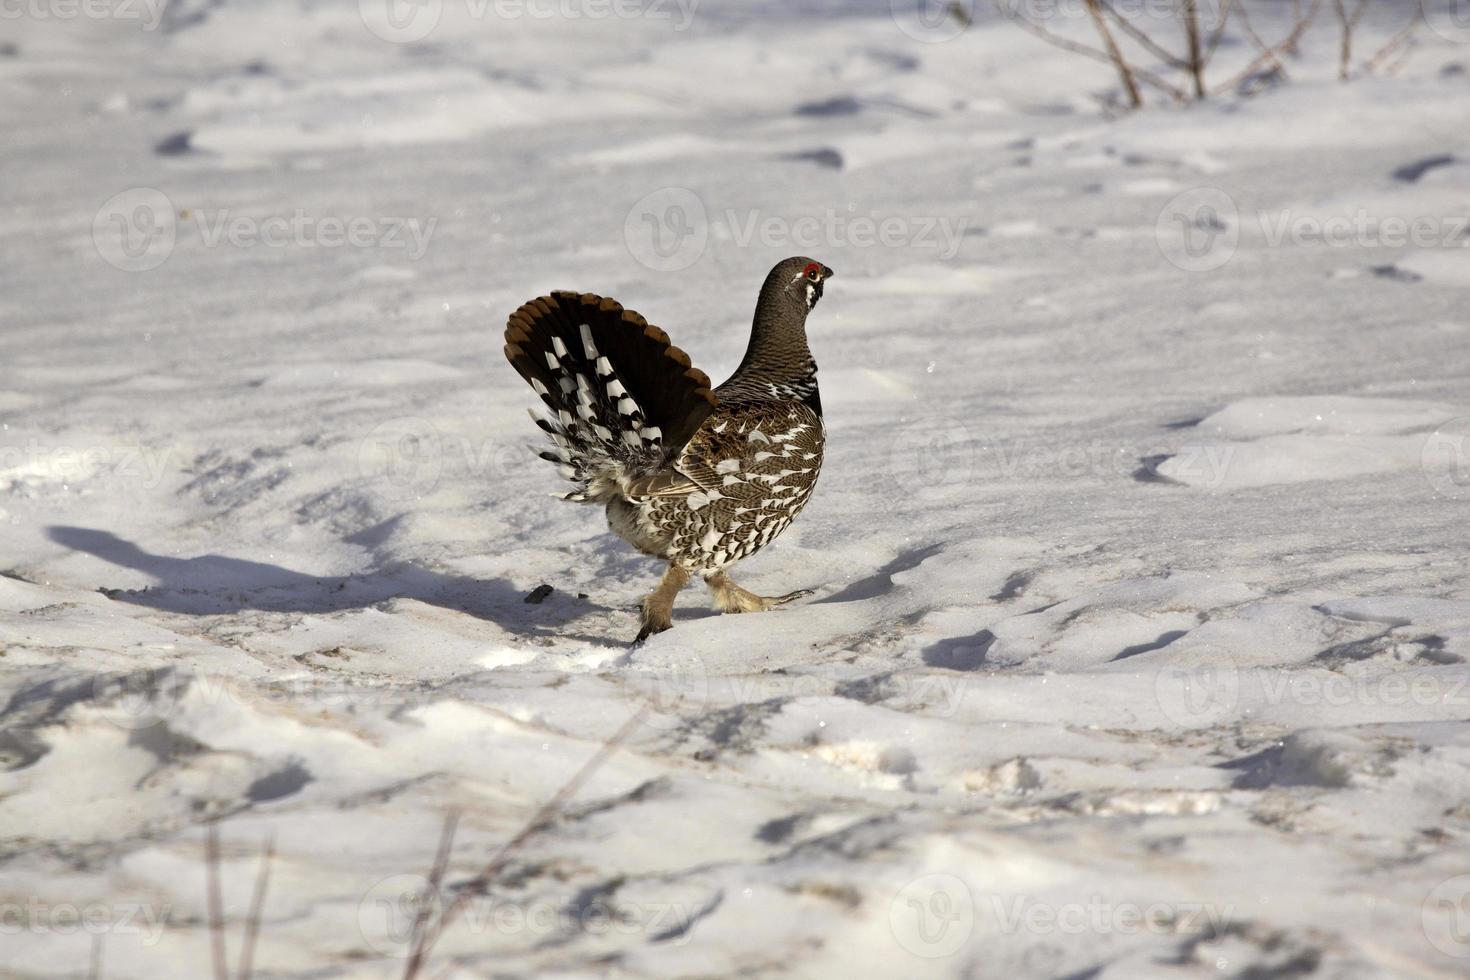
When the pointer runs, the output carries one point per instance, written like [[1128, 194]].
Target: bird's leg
[[658, 607], [731, 598]]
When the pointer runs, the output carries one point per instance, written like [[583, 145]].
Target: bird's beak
[[827, 272]]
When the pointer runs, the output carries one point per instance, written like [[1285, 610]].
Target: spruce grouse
[[700, 478]]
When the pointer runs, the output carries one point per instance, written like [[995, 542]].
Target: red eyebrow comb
[[810, 268]]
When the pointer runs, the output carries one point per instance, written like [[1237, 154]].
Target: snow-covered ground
[[1142, 610]]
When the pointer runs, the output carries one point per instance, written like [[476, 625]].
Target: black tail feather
[[621, 397]]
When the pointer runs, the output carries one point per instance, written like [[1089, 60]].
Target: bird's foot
[[731, 598], [781, 600], [657, 617], [658, 606]]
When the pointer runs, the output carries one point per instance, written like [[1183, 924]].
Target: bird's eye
[[812, 275]]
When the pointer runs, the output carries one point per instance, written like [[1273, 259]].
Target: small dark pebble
[[174, 145], [538, 595], [1394, 273], [823, 157], [581, 595]]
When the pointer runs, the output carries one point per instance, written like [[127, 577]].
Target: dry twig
[[257, 909], [1299, 27], [1349, 24], [215, 904], [1394, 43], [1066, 44], [423, 943]]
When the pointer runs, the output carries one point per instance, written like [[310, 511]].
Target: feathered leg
[[658, 607]]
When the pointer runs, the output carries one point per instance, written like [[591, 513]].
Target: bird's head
[[796, 284]]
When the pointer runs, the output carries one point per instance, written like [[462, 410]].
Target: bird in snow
[[698, 476]]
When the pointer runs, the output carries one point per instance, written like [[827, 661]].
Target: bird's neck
[[778, 366]]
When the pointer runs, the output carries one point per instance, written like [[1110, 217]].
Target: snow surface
[[1142, 615]]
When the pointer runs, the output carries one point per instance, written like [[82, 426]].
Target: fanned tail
[[621, 399]]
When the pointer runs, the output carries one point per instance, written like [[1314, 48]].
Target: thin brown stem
[[418, 948], [1125, 73], [1395, 42], [257, 908], [1215, 35], [1349, 24], [1286, 45], [1196, 51], [1147, 43], [1066, 44], [539, 820], [215, 903], [1267, 54]]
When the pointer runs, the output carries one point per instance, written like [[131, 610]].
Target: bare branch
[[1125, 74], [1196, 53], [1219, 31], [1349, 24], [1066, 44], [1148, 43], [257, 907], [539, 820], [436, 879], [1395, 42], [1287, 44], [1266, 53], [216, 905]]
